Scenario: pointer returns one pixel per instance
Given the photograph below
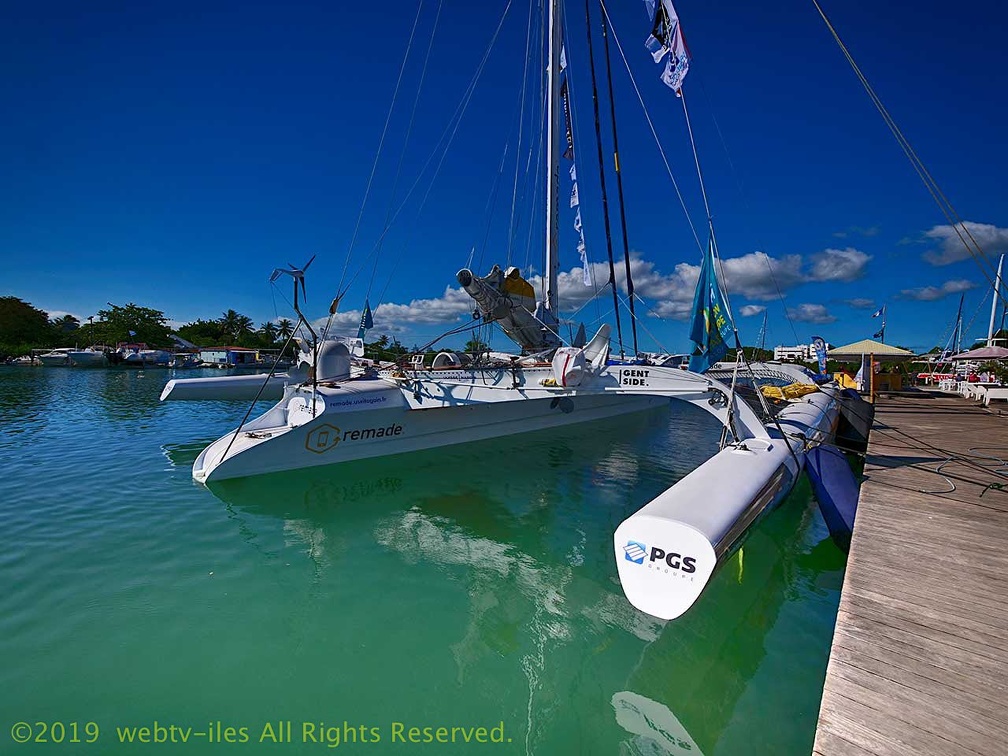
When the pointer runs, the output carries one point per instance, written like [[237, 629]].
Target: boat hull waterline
[[363, 417]]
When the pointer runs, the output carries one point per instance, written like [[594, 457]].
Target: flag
[[569, 152], [581, 248], [878, 334], [131, 333], [711, 322], [366, 320], [879, 312], [820, 350], [667, 39]]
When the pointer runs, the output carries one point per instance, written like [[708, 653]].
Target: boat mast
[[553, 160], [994, 304]]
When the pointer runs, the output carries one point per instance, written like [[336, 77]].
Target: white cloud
[[860, 303], [811, 313], [668, 295], [838, 265], [991, 239], [931, 293]]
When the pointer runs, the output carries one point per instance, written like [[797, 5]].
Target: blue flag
[[366, 320], [712, 325], [820, 350]]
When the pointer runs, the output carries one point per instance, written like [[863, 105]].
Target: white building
[[800, 353]]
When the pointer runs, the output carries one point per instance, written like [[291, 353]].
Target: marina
[[920, 652], [481, 595]]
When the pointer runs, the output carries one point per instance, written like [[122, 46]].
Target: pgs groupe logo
[[658, 558], [635, 552]]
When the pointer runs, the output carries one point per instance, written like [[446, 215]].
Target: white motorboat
[[88, 357], [55, 357]]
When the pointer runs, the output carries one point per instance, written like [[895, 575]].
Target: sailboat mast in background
[[994, 304]]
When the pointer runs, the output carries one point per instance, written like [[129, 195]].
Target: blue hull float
[[836, 489]]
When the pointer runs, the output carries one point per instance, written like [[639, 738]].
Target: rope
[[946, 207], [654, 133], [619, 188], [605, 200], [381, 143]]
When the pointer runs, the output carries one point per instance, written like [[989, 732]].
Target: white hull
[[375, 417], [54, 360], [227, 388], [87, 358], [668, 550]]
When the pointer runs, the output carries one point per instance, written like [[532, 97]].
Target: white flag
[[582, 250], [667, 39], [577, 221], [574, 196]]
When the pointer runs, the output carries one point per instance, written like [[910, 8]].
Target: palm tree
[[229, 325], [66, 324], [269, 331], [243, 325], [284, 329]]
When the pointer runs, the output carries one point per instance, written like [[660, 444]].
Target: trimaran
[[668, 550]]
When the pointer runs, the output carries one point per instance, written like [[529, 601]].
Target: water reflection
[[530, 555]]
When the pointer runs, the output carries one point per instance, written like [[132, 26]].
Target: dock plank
[[919, 663]]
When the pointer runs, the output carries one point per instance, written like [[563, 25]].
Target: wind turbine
[[297, 274]]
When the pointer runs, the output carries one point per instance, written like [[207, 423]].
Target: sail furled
[[712, 325], [667, 39]]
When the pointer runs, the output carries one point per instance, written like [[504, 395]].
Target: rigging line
[[654, 133], [381, 143], [488, 210], [521, 130], [405, 144], [456, 119], [745, 200], [576, 136], [605, 200], [619, 185], [948, 210]]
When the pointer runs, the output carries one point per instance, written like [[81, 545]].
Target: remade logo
[[635, 552]]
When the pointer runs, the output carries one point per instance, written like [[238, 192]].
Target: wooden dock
[[919, 663]]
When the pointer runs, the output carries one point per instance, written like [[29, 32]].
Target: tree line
[[24, 327]]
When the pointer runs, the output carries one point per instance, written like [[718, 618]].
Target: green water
[[466, 587]]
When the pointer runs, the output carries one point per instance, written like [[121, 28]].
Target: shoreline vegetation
[[24, 327]]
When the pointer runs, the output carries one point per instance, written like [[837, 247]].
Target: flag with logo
[[820, 349], [667, 39], [366, 320], [712, 325]]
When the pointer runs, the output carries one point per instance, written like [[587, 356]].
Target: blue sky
[[173, 154]]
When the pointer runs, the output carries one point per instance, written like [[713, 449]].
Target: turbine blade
[[308, 263]]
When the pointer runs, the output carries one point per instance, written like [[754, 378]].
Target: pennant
[[667, 39], [712, 325], [880, 311], [577, 221], [569, 152], [563, 58], [574, 196], [366, 320], [586, 271]]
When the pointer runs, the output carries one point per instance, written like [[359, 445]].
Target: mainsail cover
[[712, 325]]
